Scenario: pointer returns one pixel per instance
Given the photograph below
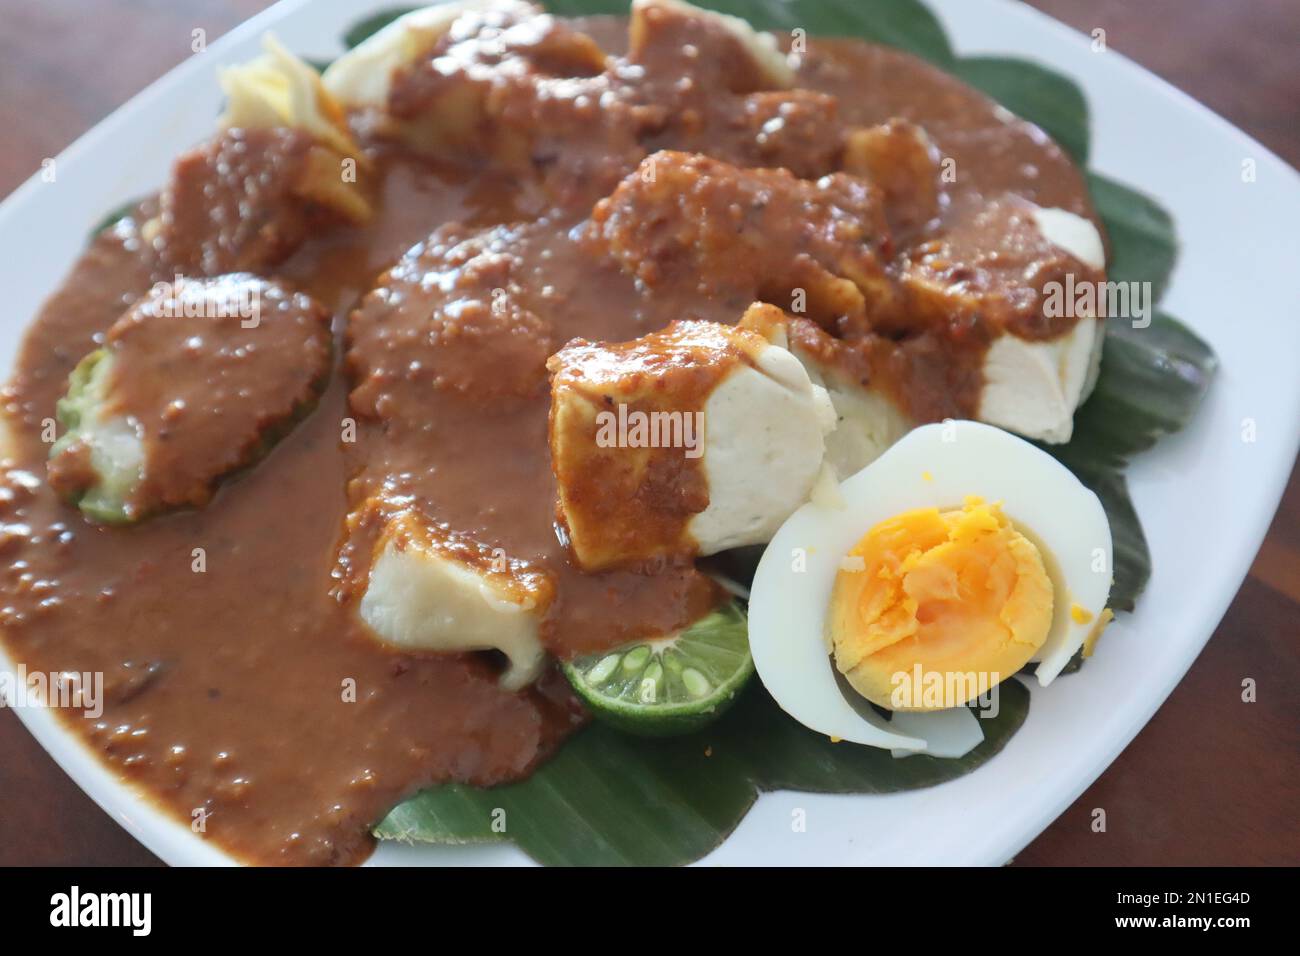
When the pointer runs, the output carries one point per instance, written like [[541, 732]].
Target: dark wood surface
[[1211, 780]]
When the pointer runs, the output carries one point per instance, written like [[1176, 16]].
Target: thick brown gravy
[[224, 634]]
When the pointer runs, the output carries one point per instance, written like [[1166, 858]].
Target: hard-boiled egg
[[954, 559]]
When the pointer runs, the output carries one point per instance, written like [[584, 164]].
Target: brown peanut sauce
[[226, 686]]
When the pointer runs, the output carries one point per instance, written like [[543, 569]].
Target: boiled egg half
[[941, 569]]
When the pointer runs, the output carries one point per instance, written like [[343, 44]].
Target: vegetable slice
[[669, 686], [114, 446]]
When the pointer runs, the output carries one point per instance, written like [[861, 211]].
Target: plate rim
[[172, 841]]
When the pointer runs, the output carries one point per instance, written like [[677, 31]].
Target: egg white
[[932, 466]]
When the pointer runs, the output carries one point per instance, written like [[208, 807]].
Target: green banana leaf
[[609, 799], [606, 798], [1142, 239], [1035, 93]]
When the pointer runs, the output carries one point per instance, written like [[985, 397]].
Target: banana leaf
[[606, 798], [609, 799], [1035, 93]]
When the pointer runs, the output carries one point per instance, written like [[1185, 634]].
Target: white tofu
[[765, 428], [865, 423], [763, 423], [1033, 388], [1071, 232], [428, 593]]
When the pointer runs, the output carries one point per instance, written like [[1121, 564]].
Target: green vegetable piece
[[115, 449]]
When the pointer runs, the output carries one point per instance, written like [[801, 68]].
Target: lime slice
[[670, 685]]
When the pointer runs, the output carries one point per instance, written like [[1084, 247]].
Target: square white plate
[[1205, 496]]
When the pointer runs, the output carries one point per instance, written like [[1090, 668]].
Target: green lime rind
[[669, 686]]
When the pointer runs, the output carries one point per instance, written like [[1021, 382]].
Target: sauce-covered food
[[424, 374]]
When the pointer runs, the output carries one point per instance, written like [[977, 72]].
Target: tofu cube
[[689, 441]]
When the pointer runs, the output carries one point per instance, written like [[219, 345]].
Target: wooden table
[[1211, 780]]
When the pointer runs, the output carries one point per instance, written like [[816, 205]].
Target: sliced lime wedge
[[671, 685]]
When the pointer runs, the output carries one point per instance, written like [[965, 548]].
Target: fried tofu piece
[[474, 82], [451, 315], [798, 130], [363, 77], [692, 440], [505, 85], [466, 105], [992, 264], [245, 200]]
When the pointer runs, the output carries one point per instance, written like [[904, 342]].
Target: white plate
[[1205, 496]]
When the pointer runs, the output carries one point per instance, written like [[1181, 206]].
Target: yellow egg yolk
[[933, 608]]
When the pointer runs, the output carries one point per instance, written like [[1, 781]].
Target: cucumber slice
[[671, 685], [116, 448]]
